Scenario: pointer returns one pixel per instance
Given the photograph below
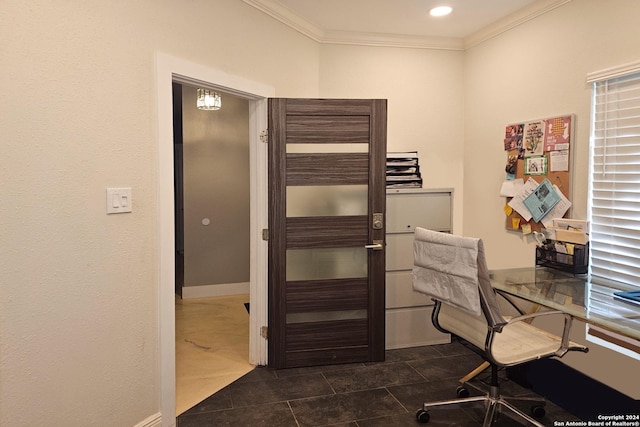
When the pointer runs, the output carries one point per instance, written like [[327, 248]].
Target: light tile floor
[[212, 346]]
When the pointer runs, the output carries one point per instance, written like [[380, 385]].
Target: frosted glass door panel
[[326, 316], [320, 264], [327, 148], [327, 200]]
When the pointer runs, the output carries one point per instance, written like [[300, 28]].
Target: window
[[614, 201]]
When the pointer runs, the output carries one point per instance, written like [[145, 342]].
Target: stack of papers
[[540, 202], [403, 170]]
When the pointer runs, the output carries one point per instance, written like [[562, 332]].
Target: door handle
[[376, 245]]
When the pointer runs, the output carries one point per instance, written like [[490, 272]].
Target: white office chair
[[452, 270]]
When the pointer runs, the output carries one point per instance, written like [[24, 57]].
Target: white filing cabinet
[[408, 313]]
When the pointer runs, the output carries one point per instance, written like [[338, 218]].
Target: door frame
[[168, 70]]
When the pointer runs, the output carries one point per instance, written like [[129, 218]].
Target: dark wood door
[[327, 162]]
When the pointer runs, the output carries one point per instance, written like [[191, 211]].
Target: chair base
[[493, 401]]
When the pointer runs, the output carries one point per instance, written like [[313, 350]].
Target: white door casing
[[168, 70]]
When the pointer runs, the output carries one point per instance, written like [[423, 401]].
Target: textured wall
[[538, 70], [424, 89], [78, 288]]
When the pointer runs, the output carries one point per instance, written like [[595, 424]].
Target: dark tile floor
[[356, 395]]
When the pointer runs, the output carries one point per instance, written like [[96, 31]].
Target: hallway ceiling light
[[440, 11], [208, 100]]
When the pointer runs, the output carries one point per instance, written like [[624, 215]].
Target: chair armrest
[[565, 344]]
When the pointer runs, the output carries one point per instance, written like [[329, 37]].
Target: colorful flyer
[[535, 165], [534, 138], [557, 133], [513, 137]]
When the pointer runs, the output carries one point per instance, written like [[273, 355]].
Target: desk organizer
[[576, 263]]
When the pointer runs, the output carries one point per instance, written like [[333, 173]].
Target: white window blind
[[614, 203]]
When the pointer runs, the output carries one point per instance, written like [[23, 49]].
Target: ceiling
[[403, 22]]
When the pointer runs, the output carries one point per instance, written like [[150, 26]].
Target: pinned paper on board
[[515, 223], [558, 210], [513, 137], [535, 165], [559, 161], [517, 202], [557, 133], [534, 138], [541, 200], [511, 187], [508, 210]]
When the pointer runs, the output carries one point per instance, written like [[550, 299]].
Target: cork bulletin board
[[540, 150]]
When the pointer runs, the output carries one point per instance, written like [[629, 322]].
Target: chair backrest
[[453, 270], [490, 306]]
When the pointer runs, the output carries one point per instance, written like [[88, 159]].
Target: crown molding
[[283, 14], [526, 14], [392, 40]]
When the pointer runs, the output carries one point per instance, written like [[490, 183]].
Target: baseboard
[[222, 289], [446, 339], [154, 420]]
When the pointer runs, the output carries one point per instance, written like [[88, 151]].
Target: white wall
[[424, 89], [79, 317], [539, 70], [79, 320]]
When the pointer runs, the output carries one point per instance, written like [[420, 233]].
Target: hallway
[[212, 346]]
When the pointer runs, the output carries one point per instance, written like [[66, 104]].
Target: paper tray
[[572, 236]]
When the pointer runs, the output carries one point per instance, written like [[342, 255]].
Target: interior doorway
[[168, 70], [212, 205], [212, 194]]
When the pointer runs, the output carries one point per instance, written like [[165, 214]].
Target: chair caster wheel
[[538, 411], [422, 416], [462, 391]]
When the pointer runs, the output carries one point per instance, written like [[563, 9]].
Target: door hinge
[[264, 136], [264, 332], [265, 234]]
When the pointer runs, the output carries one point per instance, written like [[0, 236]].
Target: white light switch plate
[[118, 200]]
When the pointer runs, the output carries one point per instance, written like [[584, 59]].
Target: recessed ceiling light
[[440, 11]]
